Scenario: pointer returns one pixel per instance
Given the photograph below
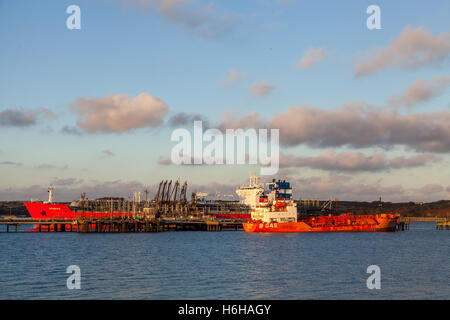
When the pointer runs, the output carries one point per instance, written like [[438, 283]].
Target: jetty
[[442, 223], [120, 224]]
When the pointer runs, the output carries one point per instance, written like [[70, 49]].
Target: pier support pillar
[[83, 228]]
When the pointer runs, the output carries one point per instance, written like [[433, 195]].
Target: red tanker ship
[[275, 211], [94, 209]]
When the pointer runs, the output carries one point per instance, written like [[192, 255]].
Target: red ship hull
[[241, 216], [344, 223], [46, 211]]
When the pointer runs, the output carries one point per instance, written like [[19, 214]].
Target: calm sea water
[[227, 265]]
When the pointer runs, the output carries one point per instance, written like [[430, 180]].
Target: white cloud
[[23, 118], [420, 91], [193, 15], [108, 153], [261, 89], [119, 113], [312, 57], [233, 77]]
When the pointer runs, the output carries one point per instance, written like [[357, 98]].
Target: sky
[[362, 112]]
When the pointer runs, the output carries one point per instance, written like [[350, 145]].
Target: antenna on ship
[[253, 179], [380, 205]]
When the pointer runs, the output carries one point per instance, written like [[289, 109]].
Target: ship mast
[[50, 195]]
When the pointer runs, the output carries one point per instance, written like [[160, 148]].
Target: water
[[227, 265]]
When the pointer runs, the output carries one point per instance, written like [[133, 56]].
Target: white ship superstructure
[[268, 206], [276, 205], [248, 194]]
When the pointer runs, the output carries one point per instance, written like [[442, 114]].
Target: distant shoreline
[[429, 209]]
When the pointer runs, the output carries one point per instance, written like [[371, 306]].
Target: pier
[[122, 225], [442, 223], [168, 211], [402, 226]]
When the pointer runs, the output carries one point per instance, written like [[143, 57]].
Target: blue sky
[[126, 48]]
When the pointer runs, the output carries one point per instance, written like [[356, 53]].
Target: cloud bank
[[357, 125], [355, 161], [10, 163], [345, 187]]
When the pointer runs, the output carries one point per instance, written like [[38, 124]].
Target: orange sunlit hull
[[347, 223]]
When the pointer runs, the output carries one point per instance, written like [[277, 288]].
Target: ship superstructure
[[276, 205], [248, 194]]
